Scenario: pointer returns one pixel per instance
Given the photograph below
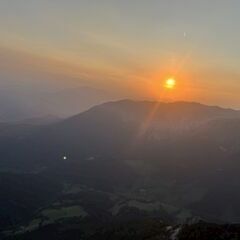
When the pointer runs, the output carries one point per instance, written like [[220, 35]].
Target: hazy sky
[[130, 46]]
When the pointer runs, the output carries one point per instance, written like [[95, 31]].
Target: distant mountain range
[[124, 125], [18, 103], [175, 161]]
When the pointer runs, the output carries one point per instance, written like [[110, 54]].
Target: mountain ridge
[[147, 150]]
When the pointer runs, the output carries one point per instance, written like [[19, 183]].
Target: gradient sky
[[125, 46]]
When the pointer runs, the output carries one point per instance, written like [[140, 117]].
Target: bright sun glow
[[170, 83]]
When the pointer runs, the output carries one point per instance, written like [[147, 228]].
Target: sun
[[170, 83]]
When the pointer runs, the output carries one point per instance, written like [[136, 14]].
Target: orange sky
[[128, 48], [148, 84]]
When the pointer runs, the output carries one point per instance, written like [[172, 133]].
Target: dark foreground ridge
[[138, 230]]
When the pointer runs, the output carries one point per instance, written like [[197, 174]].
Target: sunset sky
[[125, 46]]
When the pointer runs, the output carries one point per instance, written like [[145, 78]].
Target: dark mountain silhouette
[[128, 129], [180, 160]]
